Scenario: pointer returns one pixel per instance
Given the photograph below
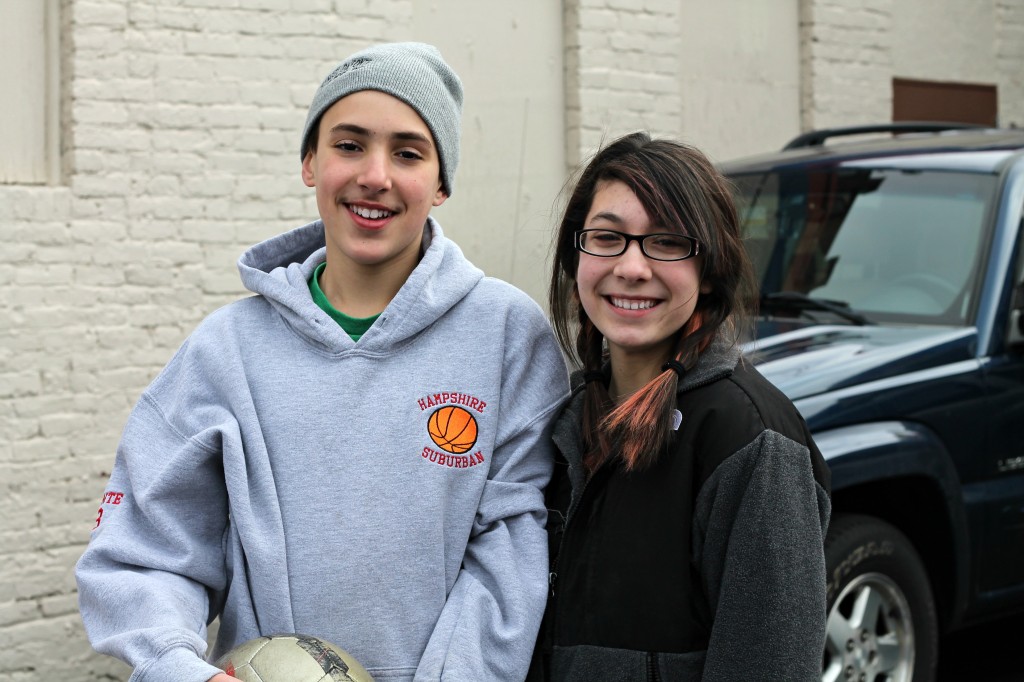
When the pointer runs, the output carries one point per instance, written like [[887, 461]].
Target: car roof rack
[[816, 138]]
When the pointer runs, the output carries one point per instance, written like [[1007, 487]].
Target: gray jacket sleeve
[[759, 531], [156, 554]]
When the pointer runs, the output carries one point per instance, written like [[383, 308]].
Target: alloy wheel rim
[[870, 633]]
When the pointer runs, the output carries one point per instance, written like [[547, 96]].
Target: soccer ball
[[291, 658]]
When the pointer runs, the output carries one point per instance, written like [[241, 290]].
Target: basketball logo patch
[[453, 429]]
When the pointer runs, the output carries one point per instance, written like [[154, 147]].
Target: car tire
[[882, 623]]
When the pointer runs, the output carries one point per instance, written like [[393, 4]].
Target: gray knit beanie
[[414, 73]]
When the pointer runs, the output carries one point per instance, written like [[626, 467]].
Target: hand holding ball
[[291, 658]]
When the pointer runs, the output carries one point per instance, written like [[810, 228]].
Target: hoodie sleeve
[[156, 556], [759, 532], [490, 620]]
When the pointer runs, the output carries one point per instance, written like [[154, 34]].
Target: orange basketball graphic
[[453, 429]]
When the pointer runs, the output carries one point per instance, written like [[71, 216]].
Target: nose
[[375, 173], [633, 264]]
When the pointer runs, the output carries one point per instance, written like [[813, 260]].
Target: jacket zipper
[[569, 515], [553, 574], [653, 675]]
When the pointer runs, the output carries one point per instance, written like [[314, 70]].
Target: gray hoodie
[[384, 495]]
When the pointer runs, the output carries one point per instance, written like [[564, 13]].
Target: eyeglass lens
[[657, 246]]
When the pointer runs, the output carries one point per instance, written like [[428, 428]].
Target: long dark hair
[[680, 190]]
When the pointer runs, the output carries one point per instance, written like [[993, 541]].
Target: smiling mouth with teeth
[[630, 304], [370, 213]]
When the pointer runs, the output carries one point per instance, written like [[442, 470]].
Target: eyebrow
[[609, 216], [406, 136]]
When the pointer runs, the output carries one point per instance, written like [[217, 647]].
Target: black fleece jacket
[[707, 566]]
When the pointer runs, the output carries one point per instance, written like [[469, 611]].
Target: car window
[[894, 244]]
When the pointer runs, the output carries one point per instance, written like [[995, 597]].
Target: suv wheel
[[881, 616]]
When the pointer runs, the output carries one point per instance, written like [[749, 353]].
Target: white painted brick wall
[[846, 62], [847, 58], [622, 71], [1010, 61]]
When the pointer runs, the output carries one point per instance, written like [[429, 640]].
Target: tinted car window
[[896, 245]]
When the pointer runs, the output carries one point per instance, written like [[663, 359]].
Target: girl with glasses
[[689, 502]]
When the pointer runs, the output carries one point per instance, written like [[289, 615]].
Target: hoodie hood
[[279, 269]]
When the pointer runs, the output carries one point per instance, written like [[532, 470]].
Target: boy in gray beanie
[[414, 73], [358, 451]]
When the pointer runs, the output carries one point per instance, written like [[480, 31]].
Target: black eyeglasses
[[659, 246]]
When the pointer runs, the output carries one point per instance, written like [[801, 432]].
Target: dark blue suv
[[891, 274]]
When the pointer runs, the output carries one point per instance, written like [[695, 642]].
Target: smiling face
[[638, 304], [376, 171]]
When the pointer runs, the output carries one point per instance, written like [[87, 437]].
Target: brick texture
[[622, 71], [1010, 61], [846, 62]]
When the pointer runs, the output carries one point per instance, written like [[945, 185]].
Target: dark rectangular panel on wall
[[916, 100]]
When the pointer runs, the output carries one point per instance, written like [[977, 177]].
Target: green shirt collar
[[355, 327]]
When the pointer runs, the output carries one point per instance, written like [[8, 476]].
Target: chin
[[370, 260], [634, 347]]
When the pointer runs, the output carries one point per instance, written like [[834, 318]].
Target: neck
[[364, 290], [631, 371]]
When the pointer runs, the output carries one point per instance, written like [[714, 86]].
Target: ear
[[705, 287], [308, 177], [440, 196]]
